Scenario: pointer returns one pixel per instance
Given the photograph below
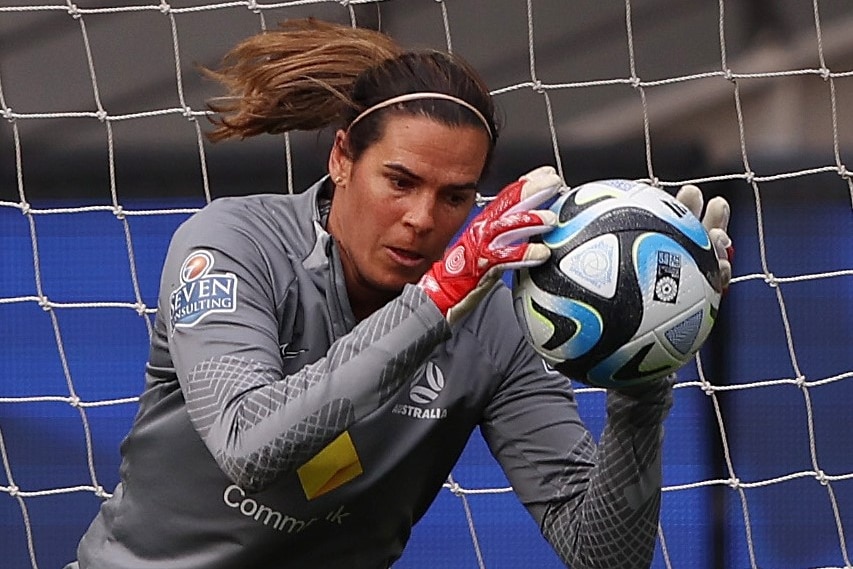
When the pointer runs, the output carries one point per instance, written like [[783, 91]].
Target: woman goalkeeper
[[320, 360]]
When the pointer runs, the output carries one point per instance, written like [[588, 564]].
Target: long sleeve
[[613, 521], [260, 424], [597, 504]]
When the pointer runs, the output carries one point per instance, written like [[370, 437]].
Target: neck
[[365, 302], [364, 298]]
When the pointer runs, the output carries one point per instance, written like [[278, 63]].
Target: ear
[[340, 162]]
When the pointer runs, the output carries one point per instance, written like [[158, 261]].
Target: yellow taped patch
[[332, 467]]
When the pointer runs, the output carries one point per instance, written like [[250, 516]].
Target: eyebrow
[[400, 169]]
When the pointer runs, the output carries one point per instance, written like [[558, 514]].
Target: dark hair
[[310, 74], [412, 72]]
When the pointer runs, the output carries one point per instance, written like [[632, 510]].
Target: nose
[[420, 212]]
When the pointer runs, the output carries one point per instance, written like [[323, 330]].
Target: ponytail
[[298, 77]]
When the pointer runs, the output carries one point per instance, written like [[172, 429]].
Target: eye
[[401, 182], [460, 199]]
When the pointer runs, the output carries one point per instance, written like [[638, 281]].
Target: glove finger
[[721, 241], [528, 192], [717, 215], [724, 250], [692, 198], [540, 185], [725, 273], [520, 226], [521, 256], [538, 173], [535, 254]]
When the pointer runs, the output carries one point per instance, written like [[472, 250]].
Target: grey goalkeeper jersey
[[274, 431]]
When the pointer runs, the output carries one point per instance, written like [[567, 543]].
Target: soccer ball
[[631, 290]]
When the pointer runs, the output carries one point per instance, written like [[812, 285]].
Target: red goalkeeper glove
[[494, 241]]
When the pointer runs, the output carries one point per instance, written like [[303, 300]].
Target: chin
[[395, 285]]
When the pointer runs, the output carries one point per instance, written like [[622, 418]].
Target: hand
[[494, 241], [716, 222]]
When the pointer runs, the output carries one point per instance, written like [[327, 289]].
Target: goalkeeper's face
[[398, 205]]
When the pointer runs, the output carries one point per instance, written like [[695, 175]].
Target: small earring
[[339, 180]]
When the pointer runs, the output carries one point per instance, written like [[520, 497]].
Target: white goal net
[[102, 156]]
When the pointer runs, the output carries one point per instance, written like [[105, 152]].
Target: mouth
[[405, 257]]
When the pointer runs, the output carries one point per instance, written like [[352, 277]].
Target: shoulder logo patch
[[201, 292]]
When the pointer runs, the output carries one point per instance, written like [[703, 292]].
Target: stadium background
[[807, 224]]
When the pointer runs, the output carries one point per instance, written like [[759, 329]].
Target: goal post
[[102, 156]]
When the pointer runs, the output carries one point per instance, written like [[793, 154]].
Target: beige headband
[[424, 95]]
